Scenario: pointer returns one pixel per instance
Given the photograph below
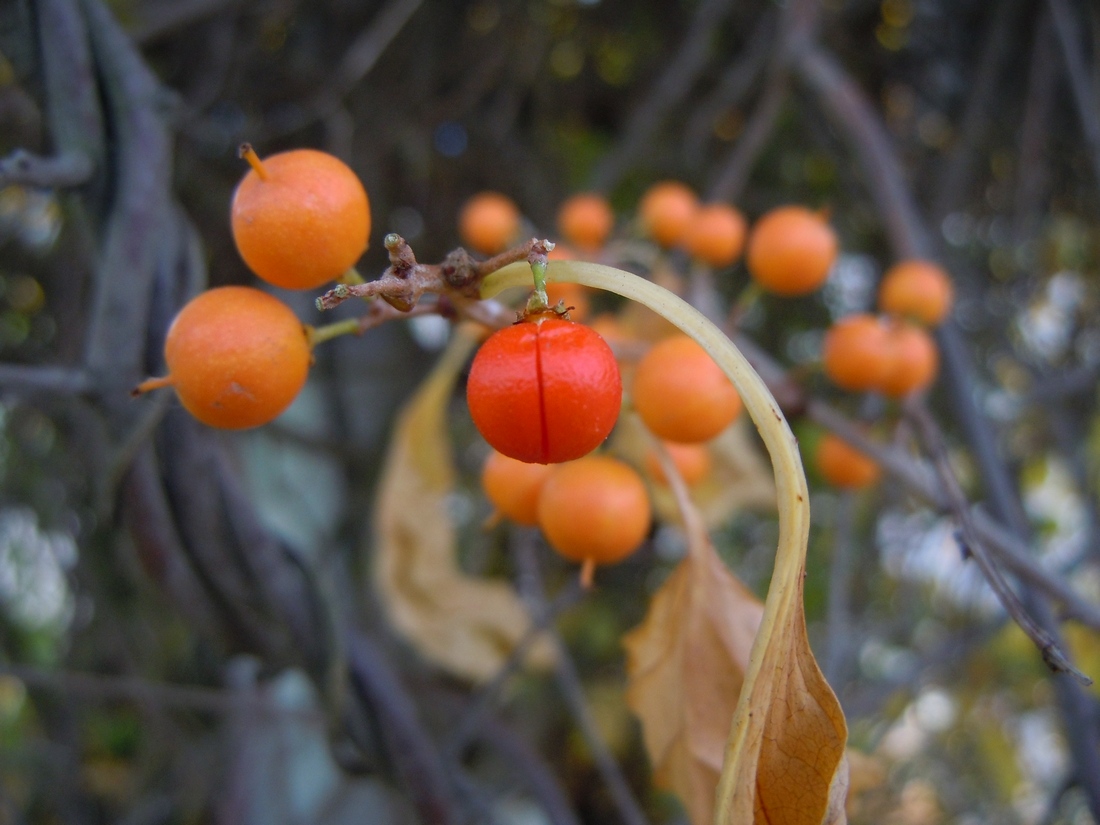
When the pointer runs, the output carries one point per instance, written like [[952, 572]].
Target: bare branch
[[56, 172], [972, 544]]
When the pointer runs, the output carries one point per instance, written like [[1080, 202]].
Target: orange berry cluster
[[545, 393], [892, 354], [237, 356]]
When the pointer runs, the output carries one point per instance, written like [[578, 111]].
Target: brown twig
[[406, 280], [531, 587], [360, 57], [669, 89], [736, 82], [1080, 79], [109, 688], [59, 171], [975, 548]]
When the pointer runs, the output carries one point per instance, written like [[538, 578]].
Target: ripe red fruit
[[300, 219], [544, 391]]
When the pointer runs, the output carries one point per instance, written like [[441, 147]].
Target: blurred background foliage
[[116, 706]]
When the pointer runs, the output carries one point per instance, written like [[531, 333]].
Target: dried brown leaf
[[687, 664], [466, 625]]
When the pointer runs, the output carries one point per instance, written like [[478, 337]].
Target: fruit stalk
[[790, 478]]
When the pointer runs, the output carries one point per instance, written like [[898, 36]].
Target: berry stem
[[588, 573], [318, 335], [150, 384], [248, 153], [783, 604], [745, 301], [538, 302]]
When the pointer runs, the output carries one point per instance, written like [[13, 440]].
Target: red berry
[[544, 391]]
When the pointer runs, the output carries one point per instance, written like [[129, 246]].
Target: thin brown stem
[[972, 544]]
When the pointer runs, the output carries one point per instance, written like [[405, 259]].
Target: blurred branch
[[839, 635], [141, 177], [859, 124], [360, 57], [531, 587], [107, 688], [973, 546], [796, 26], [412, 753], [1080, 77], [163, 17], [954, 174], [669, 89], [57, 172], [73, 102], [732, 176], [735, 83], [25, 378], [471, 721], [1033, 172], [861, 128]]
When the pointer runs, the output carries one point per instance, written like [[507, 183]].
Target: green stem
[[790, 479], [318, 335], [538, 302], [749, 296]]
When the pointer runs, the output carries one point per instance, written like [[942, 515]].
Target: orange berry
[[915, 361], [585, 220], [791, 251], [236, 357], [594, 510], [681, 394], [610, 328], [843, 465], [544, 391], [572, 295], [716, 236], [513, 487], [667, 209], [692, 462], [916, 289], [489, 222], [300, 218], [856, 353]]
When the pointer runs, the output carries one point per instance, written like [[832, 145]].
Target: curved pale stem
[[790, 479]]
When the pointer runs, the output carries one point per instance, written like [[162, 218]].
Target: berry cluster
[[236, 356], [546, 391]]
